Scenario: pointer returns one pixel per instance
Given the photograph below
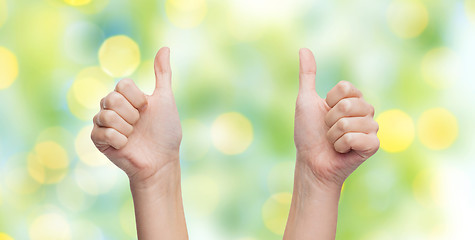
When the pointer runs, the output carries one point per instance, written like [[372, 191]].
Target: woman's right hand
[[141, 133]]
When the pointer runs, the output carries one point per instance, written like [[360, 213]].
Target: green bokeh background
[[242, 56]]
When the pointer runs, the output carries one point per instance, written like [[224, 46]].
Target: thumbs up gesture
[[140, 133], [335, 135]]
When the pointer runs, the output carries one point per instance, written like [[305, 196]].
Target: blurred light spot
[[84, 6], [427, 188], [48, 163], [119, 56], [441, 67], [470, 9], [77, 2], [196, 140], [275, 212], [4, 236], [71, 196], [247, 19], [8, 68], [50, 226], [89, 87], [396, 130], [56, 134], [186, 13], [407, 18], [81, 42], [96, 180], [86, 150], [437, 128], [201, 194], [281, 177], [86, 230], [19, 181], [3, 12], [127, 218], [231, 133]]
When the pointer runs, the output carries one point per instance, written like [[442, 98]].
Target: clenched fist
[[140, 133], [335, 135]]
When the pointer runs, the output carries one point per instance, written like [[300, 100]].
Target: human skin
[[141, 134], [333, 136]]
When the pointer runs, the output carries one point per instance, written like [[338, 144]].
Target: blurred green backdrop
[[235, 66]]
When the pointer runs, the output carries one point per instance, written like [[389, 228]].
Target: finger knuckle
[[109, 134], [93, 135], [344, 87], [110, 118], [342, 124], [377, 143], [347, 139], [94, 119], [113, 100], [344, 105], [376, 126], [102, 118], [101, 103], [124, 84], [371, 110]]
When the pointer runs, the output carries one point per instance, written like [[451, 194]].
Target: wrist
[[308, 185], [314, 208], [158, 204], [166, 178]]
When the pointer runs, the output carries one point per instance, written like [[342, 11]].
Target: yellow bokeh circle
[[48, 163], [86, 150], [50, 226], [4, 236], [17, 179], [440, 67], [77, 2], [426, 188], [407, 18], [470, 9], [119, 56], [72, 197], [95, 180], [437, 128], [20, 182], [8, 68], [89, 87], [231, 133], [186, 13], [275, 212], [396, 130]]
